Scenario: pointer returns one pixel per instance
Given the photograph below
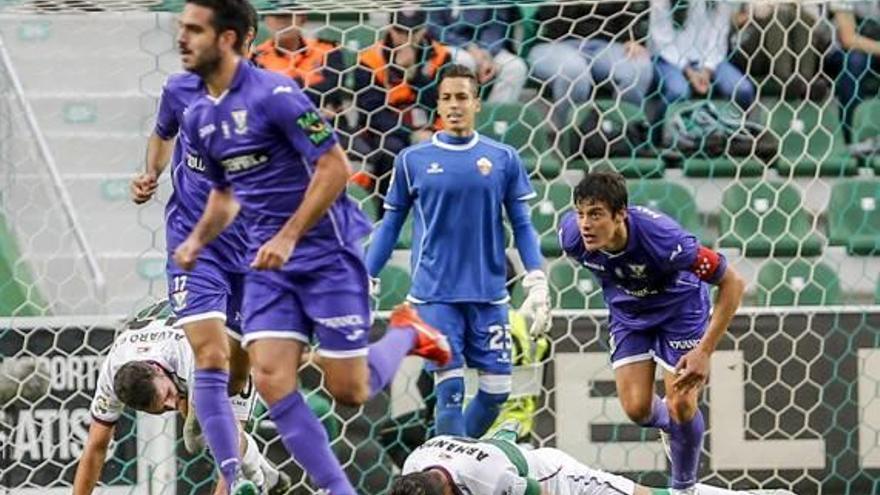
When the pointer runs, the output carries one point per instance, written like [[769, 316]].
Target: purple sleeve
[[570, 237], [294, 115], [167, 124]]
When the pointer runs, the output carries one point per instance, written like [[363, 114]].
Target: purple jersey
[[191, 187], [652, 281], [263, 137]]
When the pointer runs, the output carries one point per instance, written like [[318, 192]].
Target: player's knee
[[636, 408], [681, 407], [348, 392], [211, 356], [273, 382]]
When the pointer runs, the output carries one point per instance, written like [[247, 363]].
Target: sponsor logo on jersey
[[240, 119], [207, 130], [195, 163], [342, 321], [282, 89], [434, 168], [313, 125], [594, 266], [484, 165], [242, 163]]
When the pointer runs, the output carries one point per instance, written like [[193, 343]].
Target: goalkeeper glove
[[536, 306]]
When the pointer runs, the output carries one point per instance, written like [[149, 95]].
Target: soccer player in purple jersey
[[206, 301], [655, 280], [271, 156]]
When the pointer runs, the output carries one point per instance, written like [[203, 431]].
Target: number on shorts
[[499, 338], [179, 283]]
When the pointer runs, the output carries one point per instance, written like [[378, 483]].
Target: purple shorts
[[329, 304], [206, 292], [664, 344]]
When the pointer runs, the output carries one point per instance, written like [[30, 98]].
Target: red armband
[[706, 264]]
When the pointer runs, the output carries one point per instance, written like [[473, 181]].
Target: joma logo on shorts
[[684, 344], [341, 321]]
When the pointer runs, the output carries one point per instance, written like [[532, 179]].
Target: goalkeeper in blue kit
[[458, 185]]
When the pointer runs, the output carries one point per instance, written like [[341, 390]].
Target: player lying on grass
[[447, 465], [149, 368]]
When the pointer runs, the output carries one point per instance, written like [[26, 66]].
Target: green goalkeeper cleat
[[243, 486]]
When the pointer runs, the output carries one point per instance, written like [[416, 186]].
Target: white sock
[[250, 461], [713, 490]]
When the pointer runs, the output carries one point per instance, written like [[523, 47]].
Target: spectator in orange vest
[[396, 92], [316, 65]]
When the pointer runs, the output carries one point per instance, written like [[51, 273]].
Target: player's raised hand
[[692, 370], [536, 306], [187, 253], [274, 253], [143, 187]]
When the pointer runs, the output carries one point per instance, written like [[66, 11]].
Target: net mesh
[[776, 166]]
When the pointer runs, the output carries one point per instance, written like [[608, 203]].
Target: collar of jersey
[[435, 140], [630, 240], [240, 73]]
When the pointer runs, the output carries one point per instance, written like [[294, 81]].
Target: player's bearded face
[[458, 105], [166, 397], [599, 227], [197, 41]]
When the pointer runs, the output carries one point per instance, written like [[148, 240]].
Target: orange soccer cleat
[[430, 343]]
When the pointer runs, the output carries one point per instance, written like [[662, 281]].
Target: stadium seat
[[811, 139], [524, 128], [572, 287], [548, 208], [394, 285], [797, 282], [620, 114], [767, 219], [670, 198], [18, 292], [854, 216], [866, 126]]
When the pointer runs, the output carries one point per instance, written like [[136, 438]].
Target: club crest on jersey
[[434, 168], [484, 166], [240, 119], [638, 271]]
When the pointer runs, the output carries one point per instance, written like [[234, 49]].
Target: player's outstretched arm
[[220, 210], [92, 461], [694, 366]]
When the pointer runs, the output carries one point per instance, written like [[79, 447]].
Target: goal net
[[755, 125]]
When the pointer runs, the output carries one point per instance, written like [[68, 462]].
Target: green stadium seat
[[767, 219], [573, 287], [621, 114], [866, 125], [524, 128], [548, 208], [811, 139], [670, 198], [797, 282], [854, 216], [394, 285]]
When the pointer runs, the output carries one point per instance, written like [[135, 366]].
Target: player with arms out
[[271, 156], [207, 300], [448, 465], [460, 184], [150, 368], [655, 279]]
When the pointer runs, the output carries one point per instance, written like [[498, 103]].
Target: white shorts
[[560, 474]]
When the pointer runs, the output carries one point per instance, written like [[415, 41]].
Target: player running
[[655, 280], [459, 185], [150, 368], [264, 145]]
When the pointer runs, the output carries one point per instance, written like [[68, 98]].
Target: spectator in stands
[[855, 58], [481, 40], [689, 40], [396, 92], [315, 64], [591, 44]]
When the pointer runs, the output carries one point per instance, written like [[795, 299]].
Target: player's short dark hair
[[603, 187], [133, 385], [253, 19], [460, 71], [421, 483], [230, 15]]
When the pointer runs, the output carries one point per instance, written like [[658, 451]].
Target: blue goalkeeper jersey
[[263, 137], [659, 276], [191, 187], [458, 190]]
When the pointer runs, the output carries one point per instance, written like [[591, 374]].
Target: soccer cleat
[[243, 486], [430, 343], [282, 486]]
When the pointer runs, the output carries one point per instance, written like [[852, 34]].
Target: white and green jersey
[[476, 467], [157, 342]]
